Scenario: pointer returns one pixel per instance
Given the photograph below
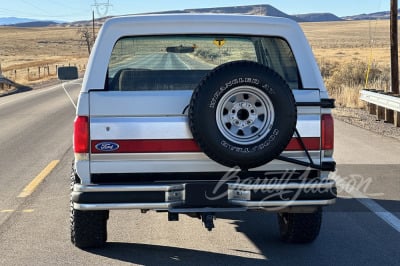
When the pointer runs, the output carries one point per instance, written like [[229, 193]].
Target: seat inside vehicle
[[143, 79]]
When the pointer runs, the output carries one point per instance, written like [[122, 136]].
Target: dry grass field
[[24, 52], [343, 51], [349, 40]]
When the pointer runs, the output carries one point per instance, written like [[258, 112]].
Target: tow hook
[[208, 220]]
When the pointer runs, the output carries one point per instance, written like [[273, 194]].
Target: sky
[[73, 10]]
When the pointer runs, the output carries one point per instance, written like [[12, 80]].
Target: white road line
[[372, 205], [183, 62], [69, 96], [382, 213]]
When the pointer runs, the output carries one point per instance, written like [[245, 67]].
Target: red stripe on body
[[183, 145]]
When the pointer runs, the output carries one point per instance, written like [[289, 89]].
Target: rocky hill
[[318, 17], [263, 10], [13, 20], [371, 16], [34, 24]]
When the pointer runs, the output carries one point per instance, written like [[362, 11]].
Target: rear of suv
[[198, 115]]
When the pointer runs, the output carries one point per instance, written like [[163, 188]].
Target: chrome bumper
[[204, 196]]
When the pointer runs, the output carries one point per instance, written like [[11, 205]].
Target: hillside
[[14, 20], [34, 24], [371, 16], [263, 10], [318, 17]]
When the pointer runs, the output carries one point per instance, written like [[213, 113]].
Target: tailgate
[[148, 132]]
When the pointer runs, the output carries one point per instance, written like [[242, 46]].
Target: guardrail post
[[389, 116], [381, 112], [396, 117], [372, 108]]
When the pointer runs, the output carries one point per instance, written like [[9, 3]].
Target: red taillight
[[81, 134], [327, 132]]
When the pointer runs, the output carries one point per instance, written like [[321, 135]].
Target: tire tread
[[301, 227], [88, 228]]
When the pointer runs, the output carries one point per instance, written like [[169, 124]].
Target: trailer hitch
[[208, 220]]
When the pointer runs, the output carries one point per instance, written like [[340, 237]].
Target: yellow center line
[[23, 211], [4, 211], [28, 210], [28, 190]]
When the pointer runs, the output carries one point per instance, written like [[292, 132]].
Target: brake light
[[327, 132], [81, 134]]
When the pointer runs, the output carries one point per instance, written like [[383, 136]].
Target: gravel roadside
[[361, 118]]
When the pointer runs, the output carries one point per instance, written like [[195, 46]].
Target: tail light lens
[[327, 134], [81, 134]]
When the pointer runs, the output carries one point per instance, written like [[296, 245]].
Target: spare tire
[[242, 114]]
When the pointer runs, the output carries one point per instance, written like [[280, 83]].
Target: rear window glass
[[180, 62]]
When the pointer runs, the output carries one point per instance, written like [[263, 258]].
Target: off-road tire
[[242, 114], [88, 228], [299, 227]]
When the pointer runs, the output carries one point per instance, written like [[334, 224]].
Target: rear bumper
[[198, 196]]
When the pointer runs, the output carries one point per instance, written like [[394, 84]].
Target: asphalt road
[[36, 130], [169, 61], [162, 60]]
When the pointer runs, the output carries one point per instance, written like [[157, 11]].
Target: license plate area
[[206, 195]]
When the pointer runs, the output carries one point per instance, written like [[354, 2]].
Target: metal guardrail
[[16, 87], [381, 98], [385, 105], [6, 81]]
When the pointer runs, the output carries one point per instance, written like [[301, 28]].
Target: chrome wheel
[[245, 115]]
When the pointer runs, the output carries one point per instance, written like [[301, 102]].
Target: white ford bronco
[[198, 115]]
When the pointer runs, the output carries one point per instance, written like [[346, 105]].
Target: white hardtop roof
[[199, 23], [199, 17], [224, 24]]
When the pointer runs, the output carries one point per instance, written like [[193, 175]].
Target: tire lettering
[[230, 84], [259, 147], [268, 142]]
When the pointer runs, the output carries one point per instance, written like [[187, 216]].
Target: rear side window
[[181, 62]]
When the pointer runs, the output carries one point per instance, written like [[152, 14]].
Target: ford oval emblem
[[107, 146]]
